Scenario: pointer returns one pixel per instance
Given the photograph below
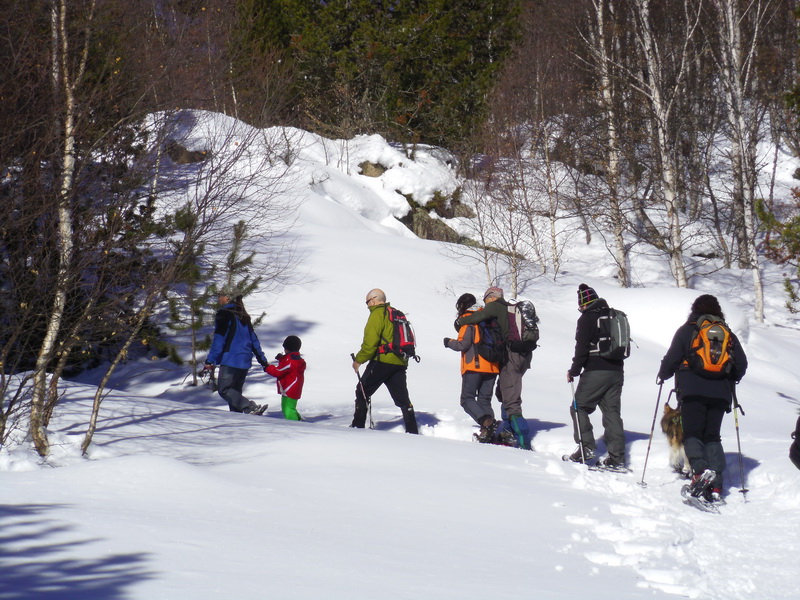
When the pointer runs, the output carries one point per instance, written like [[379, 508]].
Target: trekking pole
[[577, 423], [652, 429], [736, 408], [363, 393]]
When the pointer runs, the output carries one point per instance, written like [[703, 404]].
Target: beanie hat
[[493, 292], [292, 344], [586, 295]]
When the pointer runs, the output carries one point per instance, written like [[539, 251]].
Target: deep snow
[[180, 499]]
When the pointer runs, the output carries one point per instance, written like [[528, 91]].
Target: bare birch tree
[[739, 37], [602, 44], [68, 72], [659, 84]]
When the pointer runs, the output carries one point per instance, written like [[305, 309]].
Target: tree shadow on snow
[[42, 558], [271, 335]]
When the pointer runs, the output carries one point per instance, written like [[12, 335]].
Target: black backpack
[[490, 344], [614, 341]]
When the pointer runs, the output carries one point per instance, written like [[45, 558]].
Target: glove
[[446, 342], [265, 368], [278, 356]]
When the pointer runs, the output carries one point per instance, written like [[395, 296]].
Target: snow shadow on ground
[[37, 563], [424, 419], [538, 426], [733, 472], [271, 335]]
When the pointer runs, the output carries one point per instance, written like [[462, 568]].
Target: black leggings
[[394, 378]]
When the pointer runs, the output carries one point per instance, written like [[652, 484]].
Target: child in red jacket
[[289, 371]]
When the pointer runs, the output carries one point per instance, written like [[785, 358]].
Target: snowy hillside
[[181, 499]]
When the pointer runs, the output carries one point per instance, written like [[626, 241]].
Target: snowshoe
[[588, 457], [698, 493], [260, 410], [487, 432], [505, 438], [610, 466]]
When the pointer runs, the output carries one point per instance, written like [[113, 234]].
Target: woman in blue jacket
[[232, 348]]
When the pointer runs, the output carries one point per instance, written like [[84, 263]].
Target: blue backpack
[[490, 344]]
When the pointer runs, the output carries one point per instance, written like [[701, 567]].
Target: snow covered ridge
[[180, 499], [330, 167]]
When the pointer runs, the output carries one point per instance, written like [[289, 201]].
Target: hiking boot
[[488, 427], [701, 483], [505, 438], [588, 455], [612, 465]]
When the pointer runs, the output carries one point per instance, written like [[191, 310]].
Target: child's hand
[[278, 356]]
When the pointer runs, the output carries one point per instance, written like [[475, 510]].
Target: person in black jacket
[[794, 449], [600, 384], [703, 401]]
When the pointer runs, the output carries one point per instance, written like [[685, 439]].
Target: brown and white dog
[[673, 428]]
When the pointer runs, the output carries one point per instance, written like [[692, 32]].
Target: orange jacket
[[471, 361]]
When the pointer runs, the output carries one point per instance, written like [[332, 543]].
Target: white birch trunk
[[661, 108], [744, 127], [62, 78], [613, 167]]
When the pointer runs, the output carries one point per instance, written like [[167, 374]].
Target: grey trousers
[[603, 389], [476, 394], [230, 382], [509, 383]]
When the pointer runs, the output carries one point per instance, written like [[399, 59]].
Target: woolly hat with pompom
[[586, 295]]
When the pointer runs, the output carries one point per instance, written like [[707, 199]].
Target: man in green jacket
[[518, 361], [383, 368]]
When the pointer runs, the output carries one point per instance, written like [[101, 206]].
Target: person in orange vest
[[477, 373]]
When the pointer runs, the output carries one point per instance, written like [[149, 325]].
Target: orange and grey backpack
[[710, 350]]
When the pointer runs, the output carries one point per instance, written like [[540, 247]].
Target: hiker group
[[496, 341]]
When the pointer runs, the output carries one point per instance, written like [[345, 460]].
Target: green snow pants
[[289, 409]]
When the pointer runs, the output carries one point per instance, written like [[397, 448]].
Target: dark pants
[[230, 382], [603, 389], [702, 421], [476, 394], [394, 378]]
